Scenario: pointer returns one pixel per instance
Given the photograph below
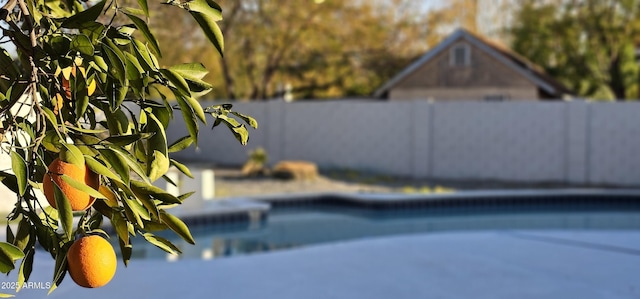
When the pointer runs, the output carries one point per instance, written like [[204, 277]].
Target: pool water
[[292, 227]]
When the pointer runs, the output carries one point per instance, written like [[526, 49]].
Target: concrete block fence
[[573, 142]]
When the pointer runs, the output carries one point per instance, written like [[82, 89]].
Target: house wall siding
[[438, 79], [572, 142]]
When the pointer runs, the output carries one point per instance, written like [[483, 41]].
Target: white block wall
[[520, 141], [574, 142], [614, 144]]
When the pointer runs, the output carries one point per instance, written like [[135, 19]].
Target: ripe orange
[[79, 200], [92, 261]]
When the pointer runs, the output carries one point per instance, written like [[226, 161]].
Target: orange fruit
[[79, 200], [91, 261]]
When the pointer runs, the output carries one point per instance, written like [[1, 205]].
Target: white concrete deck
[[501, 264]]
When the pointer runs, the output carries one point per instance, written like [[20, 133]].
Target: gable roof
[[518, 63]]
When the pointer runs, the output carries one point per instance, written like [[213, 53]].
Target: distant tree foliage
[[319, 49], [589, 45]]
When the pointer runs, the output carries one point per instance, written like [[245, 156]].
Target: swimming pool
[[323, 221]]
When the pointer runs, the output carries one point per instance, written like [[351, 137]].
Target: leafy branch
[[79, 123]]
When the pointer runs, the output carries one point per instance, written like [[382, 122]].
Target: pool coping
[[257, 208]]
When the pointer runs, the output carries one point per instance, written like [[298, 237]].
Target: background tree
[[78, 122], [322, 49], [327, 49], [589, 45]]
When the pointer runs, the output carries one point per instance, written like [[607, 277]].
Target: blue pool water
[[291, 227]]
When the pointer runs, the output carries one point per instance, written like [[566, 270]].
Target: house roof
[[498, 51]]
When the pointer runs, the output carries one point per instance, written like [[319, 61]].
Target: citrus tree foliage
[[78, 88]]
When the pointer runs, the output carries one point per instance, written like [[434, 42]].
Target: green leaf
[[195, 71], [176, 225], [210, 29], [17, 90], [196, 108], [25, 269], [193, 74], [94, 31], [208, 8], [161, 243], [146, 201], [133, 11], [87, 131], [118, 163], [123, 140], [189, 120], [7, 66], [35, 12], [186, 195], [99, 168], [157, 160], [131, 162], [9, 180], [81, 98], [120, 224], [123, 124], [246, 118], [144, 57], [60, 269], [72, 154], [59, 44], [12, 252], [91, 14], [142, 26], [116, 62], [157, 141], [181, 144], [81, 186], [199, 88], [184, 169], [64, 211], [95, 222], [132, 216], [132, 60], [138, 209], [241, 134], [50, 216], [8, 256], [23, 235], [239, 131], [144, 6], [82, 44], [51, 117], [158, 165], [19, 167], [177, 80], [9, 234], [126, 250], [100, 64], [153, 191]]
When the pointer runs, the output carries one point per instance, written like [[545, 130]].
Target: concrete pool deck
[[490, 264]]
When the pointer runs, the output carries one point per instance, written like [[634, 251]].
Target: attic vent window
[[460, 55]]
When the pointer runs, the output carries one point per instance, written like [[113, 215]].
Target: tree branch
[[6, 9]]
